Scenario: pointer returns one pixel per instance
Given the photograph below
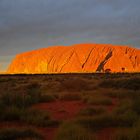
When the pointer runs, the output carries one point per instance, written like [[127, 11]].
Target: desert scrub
[[33, 91], [47, 98], [75, 84], [97, 100], [90, 111], [37, 95], [70, 96], [23, 99], [124, 106], [108, 120], [11, 114], [29, 116], [20, 100], [71, 131], [7, 80], [38, 118], [136, 104], [126, 83], [16, 133], [127, 134], [120, 94]]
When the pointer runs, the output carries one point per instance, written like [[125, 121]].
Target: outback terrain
[[70, 107]]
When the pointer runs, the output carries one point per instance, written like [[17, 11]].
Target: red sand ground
[[62, 110]]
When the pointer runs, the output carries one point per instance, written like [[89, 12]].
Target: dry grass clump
[[16, 134], [71, 131], [97, 99], [75, 84], [120, 93], [26, 96], [70, 96], [127, 134], [131, 83], [124, 106], [37, 117], [108, 120], [90, 111], [29, 116]]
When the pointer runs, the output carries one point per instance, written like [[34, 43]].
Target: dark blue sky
[[31, 24]]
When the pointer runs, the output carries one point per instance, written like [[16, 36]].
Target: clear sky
[[31, 24]]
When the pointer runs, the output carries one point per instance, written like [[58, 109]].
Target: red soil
[[62, 110]]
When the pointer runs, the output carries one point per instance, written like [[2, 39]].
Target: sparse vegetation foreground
[[70, 107]]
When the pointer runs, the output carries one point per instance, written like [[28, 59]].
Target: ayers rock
[[78, 59]]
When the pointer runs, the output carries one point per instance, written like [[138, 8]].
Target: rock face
[[78, 59]]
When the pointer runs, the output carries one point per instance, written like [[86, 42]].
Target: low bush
[[29, 116], [127, 134], [15, 133], [71, 131], [126, 83], [75, 84], [47, 98], [124, 106], [97, 100], [38, 118], [70, 96], [108, 120], [24, 100], [136, 105], [89, 111], [11, 114], [120, 94]]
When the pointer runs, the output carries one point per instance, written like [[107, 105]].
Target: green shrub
[[47, 98], [29, 116], [126, 83], [108, 120], [89, 111], [71, 131], [38, 118], [11, 114], [15, 133], [16, 99], [7, 80], [75, 84], [136, 105], [124, 106], [33, 90], [120, 94], [23, 100], [127, 134], [97, 100], [5, 99], [70, 96]]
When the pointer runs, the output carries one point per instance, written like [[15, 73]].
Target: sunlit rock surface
[[78, 58]]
